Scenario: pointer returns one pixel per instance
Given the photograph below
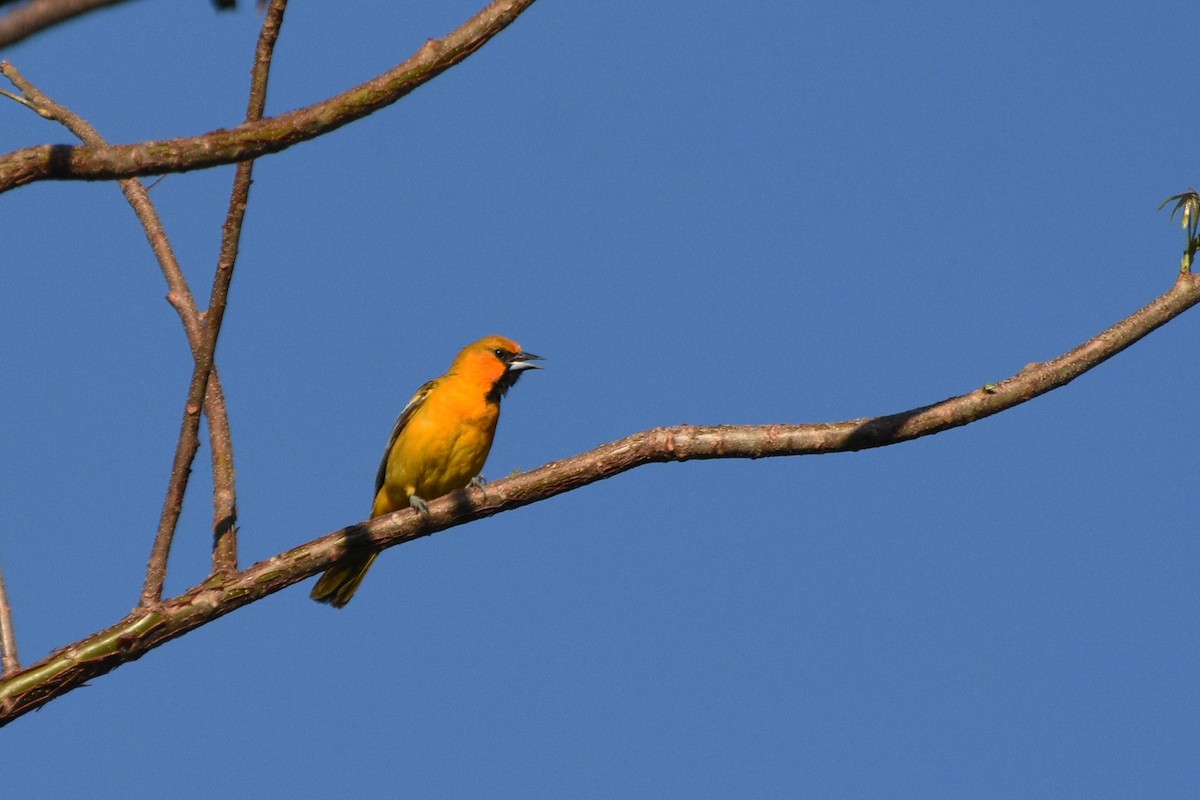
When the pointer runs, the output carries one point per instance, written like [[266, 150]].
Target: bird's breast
[[444, 446]]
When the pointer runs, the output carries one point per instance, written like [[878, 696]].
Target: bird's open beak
[[523, 361]]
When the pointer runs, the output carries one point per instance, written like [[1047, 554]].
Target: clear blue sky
[[737, 212]]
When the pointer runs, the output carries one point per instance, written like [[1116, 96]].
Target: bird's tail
[[340, 582]]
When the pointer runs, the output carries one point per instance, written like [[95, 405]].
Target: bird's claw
[[420, 505]]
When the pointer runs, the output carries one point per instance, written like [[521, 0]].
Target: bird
[[438, 445]]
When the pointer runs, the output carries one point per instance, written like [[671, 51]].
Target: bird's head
[[496, 361]]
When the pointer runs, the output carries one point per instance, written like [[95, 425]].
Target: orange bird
[[438, 445]]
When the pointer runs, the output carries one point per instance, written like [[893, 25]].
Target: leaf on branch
[[1188, 206]]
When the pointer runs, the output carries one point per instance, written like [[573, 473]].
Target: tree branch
[[224, 552], [8, 636], [147, 628], [224, 497], [253, 139], [37, 15], [180, 297]]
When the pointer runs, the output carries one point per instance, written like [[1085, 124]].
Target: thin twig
[[224, 499], [8, 636], [224, 507], [181, 467], [179, 294], [254, 139], [145, 629], [15, 98]]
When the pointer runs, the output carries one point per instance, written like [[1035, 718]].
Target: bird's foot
[[420, 505]]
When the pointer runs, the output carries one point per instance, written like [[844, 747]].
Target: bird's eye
[[500, 353]]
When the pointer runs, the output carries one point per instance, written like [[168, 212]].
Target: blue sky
[[745, 212]]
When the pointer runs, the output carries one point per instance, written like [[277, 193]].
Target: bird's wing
[[405, 416]]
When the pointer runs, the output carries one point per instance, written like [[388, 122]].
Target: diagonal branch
[[147, 628], [179, 294], [224, 498], [188, 444], [254, 139], [37, 15], [224, 554]]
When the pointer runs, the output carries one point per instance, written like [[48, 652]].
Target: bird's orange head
[[494, 361]]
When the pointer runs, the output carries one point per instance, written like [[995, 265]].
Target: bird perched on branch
[[438, 445]]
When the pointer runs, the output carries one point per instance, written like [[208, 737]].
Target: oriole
[[438, 445]]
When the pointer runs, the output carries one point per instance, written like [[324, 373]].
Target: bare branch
[[8, 636], [224, 497], [180, 297], [146, 629], [254, 139], [37, 15], [224, 552], [181, 468]]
